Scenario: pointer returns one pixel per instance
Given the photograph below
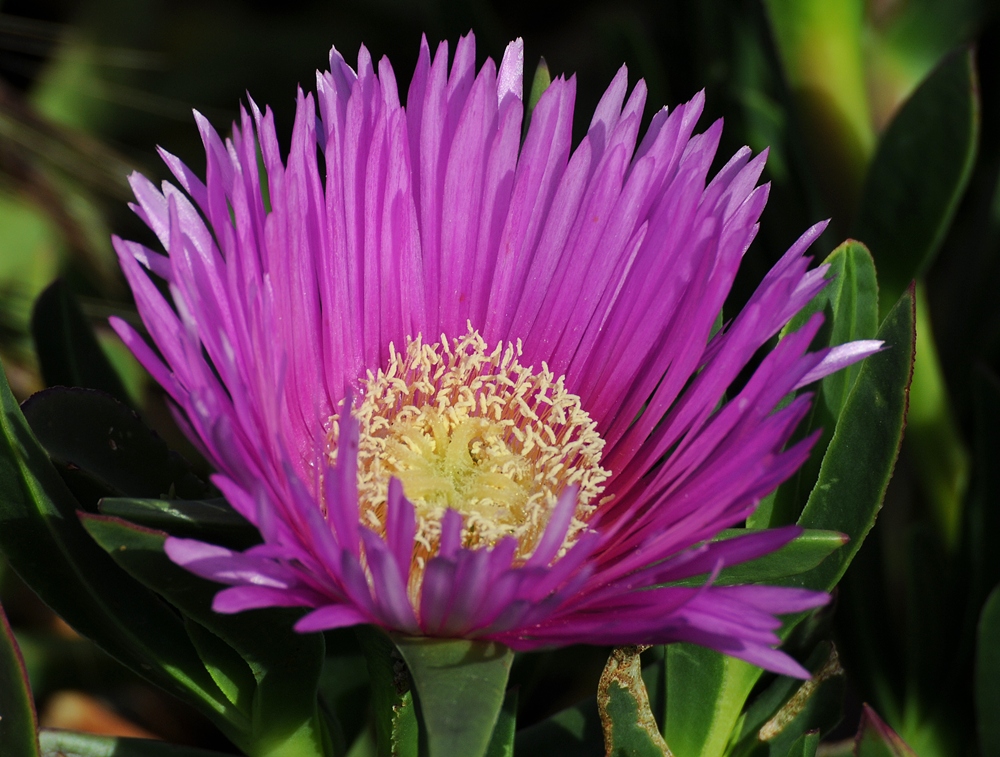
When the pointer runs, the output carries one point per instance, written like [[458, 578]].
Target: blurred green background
[[88, 88]]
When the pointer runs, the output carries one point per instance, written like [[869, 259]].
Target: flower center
[[472, 430]]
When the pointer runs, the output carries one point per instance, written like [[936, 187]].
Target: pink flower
[[467, 387]]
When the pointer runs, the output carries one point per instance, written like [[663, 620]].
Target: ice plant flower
[[469, 387]]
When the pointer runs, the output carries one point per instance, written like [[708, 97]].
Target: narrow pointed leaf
[[43, 540], [862, 454], [919, 173], [18, 724], [68, 351], [460, 687]]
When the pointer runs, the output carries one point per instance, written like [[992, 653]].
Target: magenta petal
[[330, 616], [840, 357], [285, 281]]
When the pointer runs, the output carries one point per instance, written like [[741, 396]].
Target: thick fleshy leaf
[[210, 520], [56, 743], [43, 540], [705, 695], [850, 307], [801, 554], [919, 173], [623, 704], [285, 665], [706, 691], [68, 352], [103, 448], [876, 739], [18, 724], [859, 462], [460, 687], [988, 676]]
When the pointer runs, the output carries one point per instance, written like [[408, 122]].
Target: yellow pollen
[[473, 430]]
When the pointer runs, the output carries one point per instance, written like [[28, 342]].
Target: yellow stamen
[[466, 429]]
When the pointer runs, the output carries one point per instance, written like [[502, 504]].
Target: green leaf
[[988, 676], [103, 448], [284, 664], [876, 739], [57, 743], [919, 173], [803, 553], [502, 740], [850, 305], [460, 688], [211, 520], [68, 351], [859, 462], [17, 707], [43, 540], [705, 695], [405, 739], [623, 704]]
